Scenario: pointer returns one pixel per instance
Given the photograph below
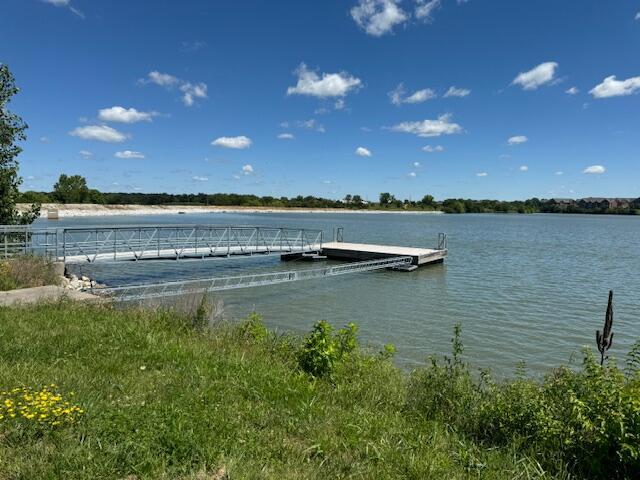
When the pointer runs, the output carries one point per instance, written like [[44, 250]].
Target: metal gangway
[[146, 242], [204, 286]]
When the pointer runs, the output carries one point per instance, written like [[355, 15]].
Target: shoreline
[[94, 210]]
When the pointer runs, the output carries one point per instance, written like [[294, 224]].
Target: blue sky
[[329, 98]]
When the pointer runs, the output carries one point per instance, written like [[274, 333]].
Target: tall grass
[[25, 271], [162, 399]]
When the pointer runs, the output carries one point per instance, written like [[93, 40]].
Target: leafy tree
[[427, 201], [71, 189], [386, 198], [12, 130]]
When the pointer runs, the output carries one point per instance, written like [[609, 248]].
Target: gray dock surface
[[363, 251]]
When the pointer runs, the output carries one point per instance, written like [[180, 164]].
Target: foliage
[[386, 201], [26, 271], [322, 350], [164, 401], [12, 130], [73, 189], [42, 407], [445, 391], [588, 420], [253, 328]]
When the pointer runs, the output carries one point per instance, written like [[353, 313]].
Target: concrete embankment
[[25, 296]]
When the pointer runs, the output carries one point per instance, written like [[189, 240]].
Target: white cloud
[[199, 178], [128, 154], [637, 17], [595, 169], [65, 3], [611, 87], [310, 124], [398, 95], [247, 169], [192, 91], [433, 149], [44, 139], [162, 79], [85, 154], [378, 17], [429, 128], [482, 174], [517, 140], [102, 133], [524, 168], [420, 96], [286, 136], [424, 9], [559, 173], [537, 76], [124, 115], [329, 85], [416, 164], [457, 92], [363, 152], [339, 104], [413, 174], [572, 91], [239, 143]]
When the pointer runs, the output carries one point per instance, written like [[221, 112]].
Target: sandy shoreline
[[94, 210]]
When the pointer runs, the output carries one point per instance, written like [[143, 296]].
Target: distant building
[[562, 202], [593, 202]]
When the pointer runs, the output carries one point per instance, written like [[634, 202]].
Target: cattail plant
[[605, 338]]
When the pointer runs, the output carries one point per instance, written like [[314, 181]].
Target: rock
[[84, 278]]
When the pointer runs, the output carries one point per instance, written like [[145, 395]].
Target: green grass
[[165, 400]]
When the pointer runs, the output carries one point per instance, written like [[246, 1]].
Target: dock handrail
[[442, 241], [134, 242]]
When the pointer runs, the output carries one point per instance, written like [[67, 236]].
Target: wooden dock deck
[[363, 251]]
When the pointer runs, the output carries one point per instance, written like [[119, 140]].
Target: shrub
[[445, 390], [588, 419], [254, 329], [321, 349]]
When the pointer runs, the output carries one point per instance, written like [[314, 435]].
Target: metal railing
[[442, 241], [202, 286], [80, 245]]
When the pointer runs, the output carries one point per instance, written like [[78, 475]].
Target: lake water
[[529, 288]]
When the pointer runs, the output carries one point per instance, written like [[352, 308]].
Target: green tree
[[12, 130], [71, 189], [386, 198], [427, 201]]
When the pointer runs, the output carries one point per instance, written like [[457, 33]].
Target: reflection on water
[[524, 287]]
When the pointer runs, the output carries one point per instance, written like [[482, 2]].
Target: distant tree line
[[74, 189]]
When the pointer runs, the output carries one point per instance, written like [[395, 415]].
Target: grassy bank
[[26, 271], [158, 398]]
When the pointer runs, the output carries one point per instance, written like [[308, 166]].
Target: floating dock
[[363, 251]]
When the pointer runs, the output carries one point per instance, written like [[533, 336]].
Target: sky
[[454, 98]]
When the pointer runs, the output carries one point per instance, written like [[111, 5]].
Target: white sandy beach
[[94, 210]]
